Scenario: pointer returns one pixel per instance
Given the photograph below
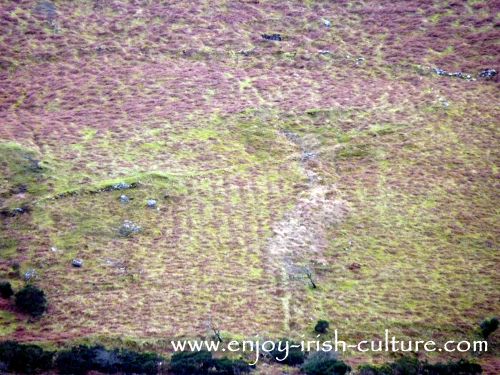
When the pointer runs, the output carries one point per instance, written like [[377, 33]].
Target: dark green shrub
[[488, 326], [31, 300], [375, 370], [132, 362], [295, 356], [226, 366], [461, 367], [324, 363], [405, 366], [81, 359], [321, 326], [24, 359], [410, 366], [5, 289], [76, 361], [191, 363], [104, 360]]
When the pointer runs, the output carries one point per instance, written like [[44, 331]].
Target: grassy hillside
[[339, 148]]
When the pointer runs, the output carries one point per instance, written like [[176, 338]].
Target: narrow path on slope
[[303, 231]]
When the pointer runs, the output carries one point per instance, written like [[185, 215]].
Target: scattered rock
[[128, 228], [291, 136], [78, 263], [245, 52], [488, 73], [324, 52], [121, 186], [444, 102], [114, 187], [312, 177], [5, 212], [30, 275], [124, 198], [117, 264], [444, 73], [440, 72], [308, 155], [103, 49], [272, 37], [327, 23], [151, 203]]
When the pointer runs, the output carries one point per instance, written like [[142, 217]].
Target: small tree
[[31, 300], [300, 272], [310, 276], [321, 326], [488, 326], [215, 329], [6, 289]]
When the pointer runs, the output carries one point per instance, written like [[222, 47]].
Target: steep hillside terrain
[[360, 144]]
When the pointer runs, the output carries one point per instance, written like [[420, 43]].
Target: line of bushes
[[327, 363], [202, 363], [412, 366], [79, 360]]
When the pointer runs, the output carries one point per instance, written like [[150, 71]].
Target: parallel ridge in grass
[[191, 104]]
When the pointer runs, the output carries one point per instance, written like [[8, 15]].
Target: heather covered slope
[[343, 129]]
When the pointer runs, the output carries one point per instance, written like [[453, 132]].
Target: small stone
[[487, 73], [151, 203], [121, 186], [77, 263], [272, 37], [244, 52], [307, 155], [360, 60], [124, 198], [291, 136], [444, 73], [440, 72], [30, 275], [128, 228]]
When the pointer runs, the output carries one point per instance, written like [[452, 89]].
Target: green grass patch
[[8, 323], [352, 151]]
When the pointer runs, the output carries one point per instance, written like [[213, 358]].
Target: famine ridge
[[358, 139]]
